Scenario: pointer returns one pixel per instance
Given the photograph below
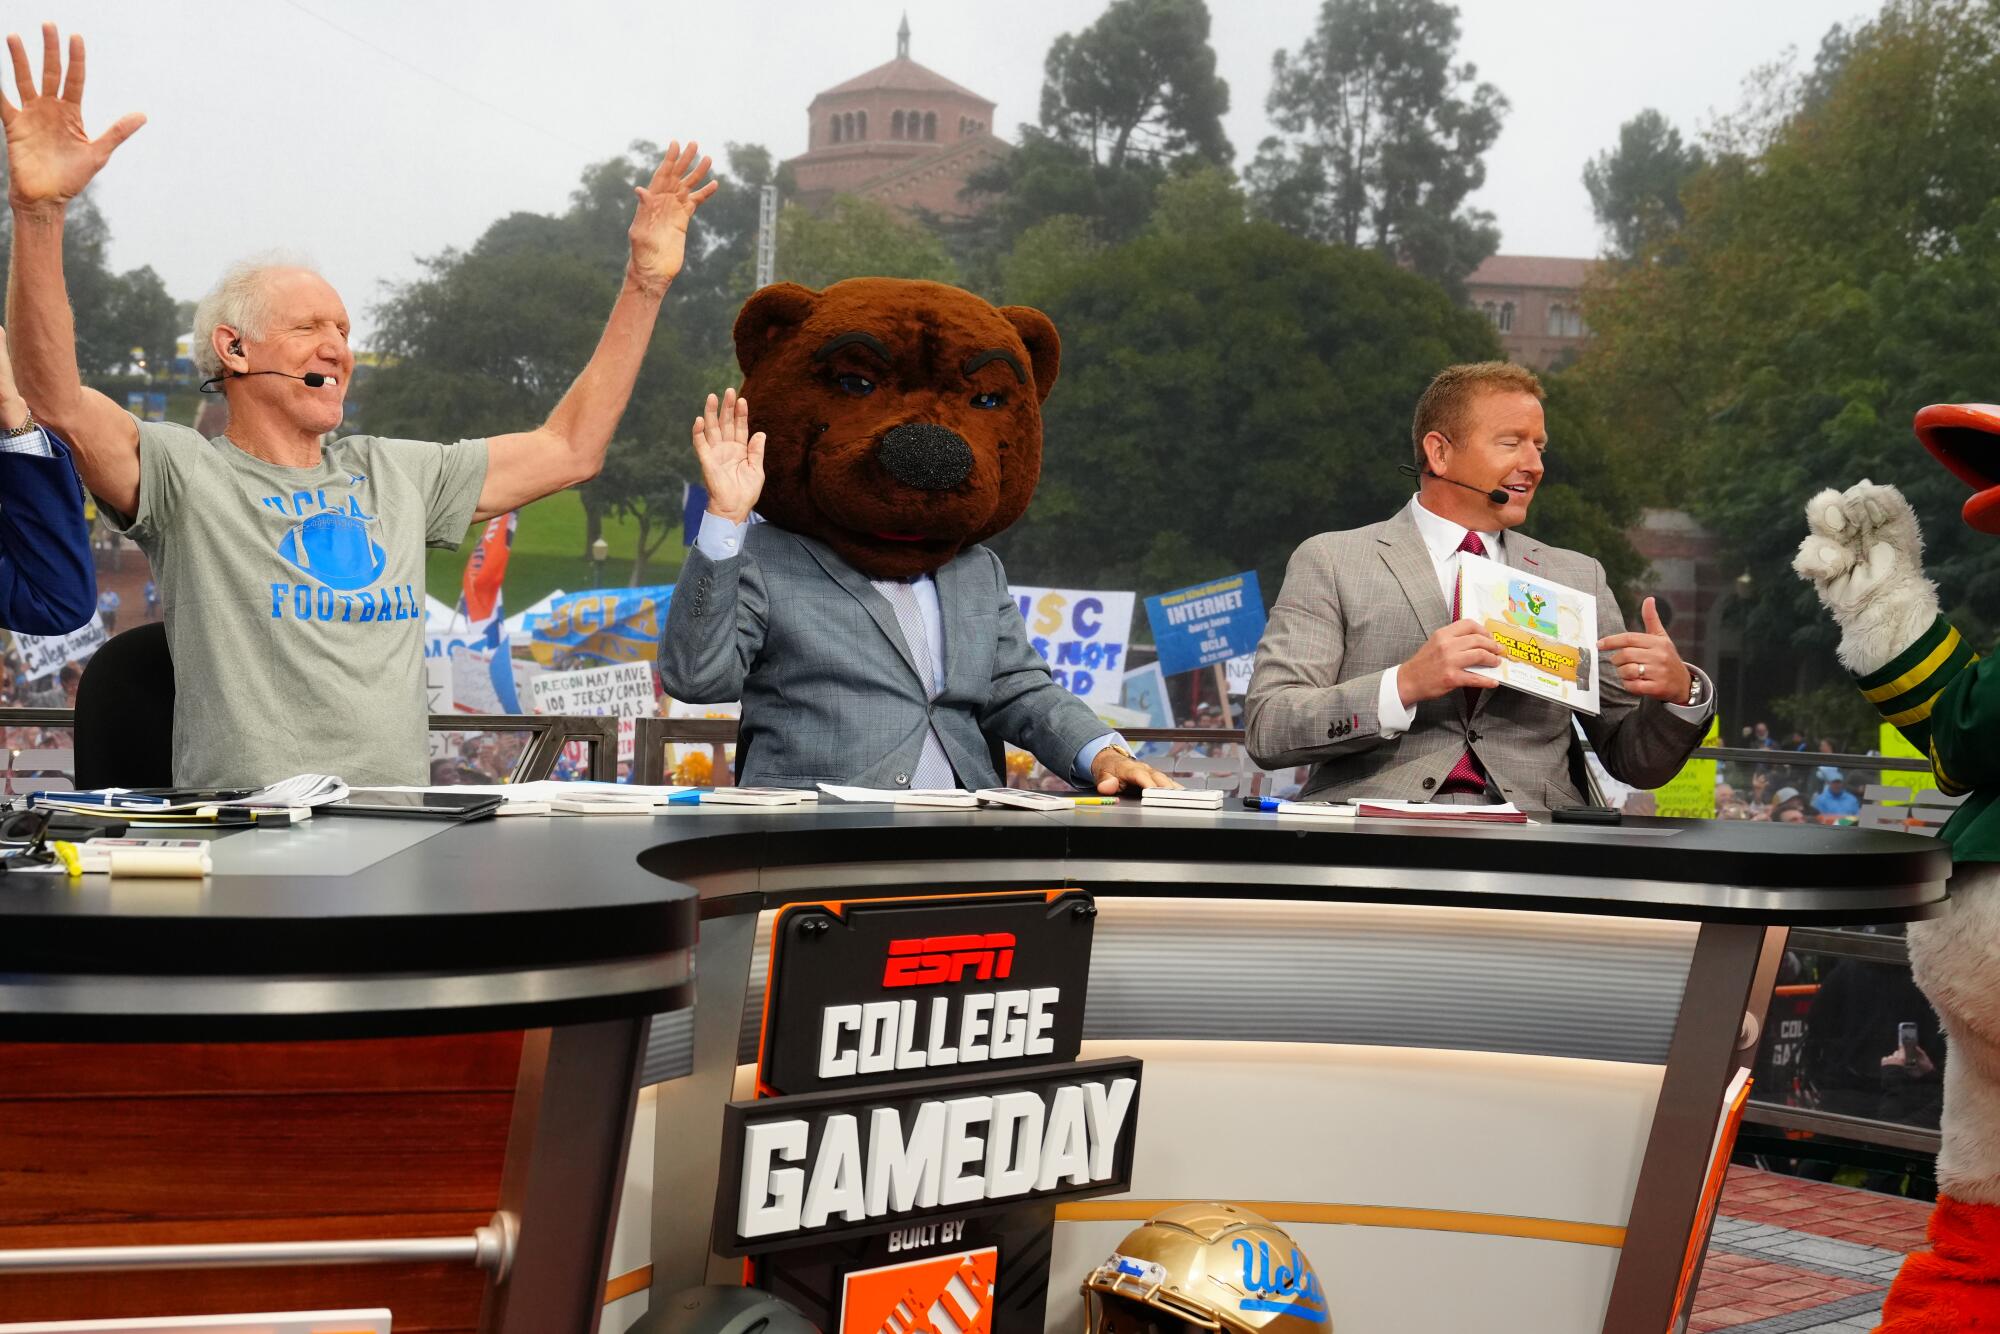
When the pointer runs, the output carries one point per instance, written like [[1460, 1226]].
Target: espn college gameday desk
[[1477, 1072]]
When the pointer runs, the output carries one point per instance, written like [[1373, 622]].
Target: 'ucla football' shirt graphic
[[333, 543]]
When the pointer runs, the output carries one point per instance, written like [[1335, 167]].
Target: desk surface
[[345, 893]]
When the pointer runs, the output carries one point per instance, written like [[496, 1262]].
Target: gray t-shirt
[[295, 600]]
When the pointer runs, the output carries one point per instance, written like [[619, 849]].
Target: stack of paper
[[299, 792], [1184, 798], [1023, 799], [949, 797], [757, 796], [1504, 812], [1324, 810]]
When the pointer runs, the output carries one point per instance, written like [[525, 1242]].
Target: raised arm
[[49, 161], [569, 447]]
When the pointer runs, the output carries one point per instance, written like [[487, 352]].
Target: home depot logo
[[923, 961], [946, 1294]]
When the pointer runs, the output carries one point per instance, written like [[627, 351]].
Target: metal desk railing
[[548, 735]]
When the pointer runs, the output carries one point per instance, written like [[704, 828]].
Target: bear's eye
[[858, 385], [990, 399]]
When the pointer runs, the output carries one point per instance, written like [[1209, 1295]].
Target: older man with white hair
[[292, 572]]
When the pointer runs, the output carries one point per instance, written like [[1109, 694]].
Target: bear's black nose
[[925, 456]]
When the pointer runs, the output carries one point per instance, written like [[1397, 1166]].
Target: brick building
[[901, 134], [1536, 303]]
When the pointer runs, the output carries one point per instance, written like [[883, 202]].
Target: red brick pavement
[[1740, 1289]]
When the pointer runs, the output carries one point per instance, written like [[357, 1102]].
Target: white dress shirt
[[1441, 539]]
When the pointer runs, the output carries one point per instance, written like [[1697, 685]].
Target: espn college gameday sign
[[921, 1107]]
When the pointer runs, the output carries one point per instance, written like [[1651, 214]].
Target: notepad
[[1206, 799], [1319, 810], [757, 796], [1499, 813], [1023, 799], [955, 798]]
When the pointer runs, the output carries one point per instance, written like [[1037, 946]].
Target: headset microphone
[[311, 379], [1498, 495]]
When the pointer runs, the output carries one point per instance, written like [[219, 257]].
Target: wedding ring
[[1642, 669]]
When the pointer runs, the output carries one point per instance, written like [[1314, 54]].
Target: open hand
[[1445, 661], [1647, 661], [732, 459], [666, 206], [49, 157], [1113, 771]]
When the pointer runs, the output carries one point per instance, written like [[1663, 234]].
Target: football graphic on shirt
[[335, 549]]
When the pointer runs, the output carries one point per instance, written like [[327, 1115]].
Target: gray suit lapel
[[872, 602], [1404, 553], [953, 589]]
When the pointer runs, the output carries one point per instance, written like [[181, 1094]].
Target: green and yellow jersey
[[1946, 699]]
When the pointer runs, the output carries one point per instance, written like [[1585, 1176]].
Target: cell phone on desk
[[1587, 815]]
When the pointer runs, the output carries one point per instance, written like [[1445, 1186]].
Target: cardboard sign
[[1208, 623], [1083, 635], [42, 654], [623, 691]]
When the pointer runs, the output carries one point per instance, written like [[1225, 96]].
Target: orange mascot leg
[[1955, 1285]]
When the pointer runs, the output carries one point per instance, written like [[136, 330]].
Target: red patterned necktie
[[1468, 775]]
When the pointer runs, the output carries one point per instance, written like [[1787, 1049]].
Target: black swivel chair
[[125, 712]]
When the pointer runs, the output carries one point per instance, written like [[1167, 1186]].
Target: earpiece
[[236, 346]]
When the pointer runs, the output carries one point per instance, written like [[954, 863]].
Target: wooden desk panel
[[192, 1143]]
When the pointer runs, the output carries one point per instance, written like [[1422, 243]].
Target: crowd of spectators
[[1787, 791]]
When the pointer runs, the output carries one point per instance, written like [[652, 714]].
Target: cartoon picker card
[[1547, 631]]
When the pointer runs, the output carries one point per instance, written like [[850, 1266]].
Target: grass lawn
[[549, 554]]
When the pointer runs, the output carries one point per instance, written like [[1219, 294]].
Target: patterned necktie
[[1468, 775], [933, 768]]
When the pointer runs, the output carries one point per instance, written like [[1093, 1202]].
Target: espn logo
[[924, 961]]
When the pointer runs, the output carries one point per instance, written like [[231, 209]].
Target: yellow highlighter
[[1095, 801], [66, 854]]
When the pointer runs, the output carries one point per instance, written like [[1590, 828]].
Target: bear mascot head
[[902, 419]]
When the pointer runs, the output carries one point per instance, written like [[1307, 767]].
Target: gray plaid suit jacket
[[830, 692], [1358, 603]]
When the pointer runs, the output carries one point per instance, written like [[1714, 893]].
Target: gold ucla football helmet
[[1206, 1267]]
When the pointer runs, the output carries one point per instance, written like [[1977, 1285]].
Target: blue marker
[[691, 797], [1261, 803]]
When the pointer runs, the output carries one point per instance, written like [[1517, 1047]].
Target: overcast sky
[[365, 133]]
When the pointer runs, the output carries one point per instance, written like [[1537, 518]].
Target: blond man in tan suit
[[1364, 670]]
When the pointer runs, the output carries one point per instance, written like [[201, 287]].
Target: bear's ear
[[770, 314], [1038, 333]]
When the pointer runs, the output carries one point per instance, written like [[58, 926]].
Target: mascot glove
[[1864, 556]]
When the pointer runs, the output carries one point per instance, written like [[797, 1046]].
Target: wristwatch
[[23, 429], [1695, 692]]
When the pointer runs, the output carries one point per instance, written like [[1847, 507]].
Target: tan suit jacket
[[1358, 603]]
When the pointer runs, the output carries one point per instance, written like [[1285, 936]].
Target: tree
[[145, 317], [1387, 137], [1835, 271], [491, 337], [1635, 188], [1126, 103], [1228, 389], [857, 238], [1138, 83]]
